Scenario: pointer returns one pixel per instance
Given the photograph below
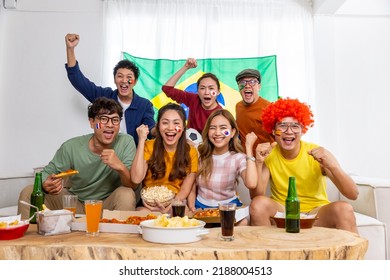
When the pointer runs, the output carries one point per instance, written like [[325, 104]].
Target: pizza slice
[[66, 173]]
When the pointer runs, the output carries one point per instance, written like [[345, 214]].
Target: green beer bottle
[[293, 212], [37, 197]]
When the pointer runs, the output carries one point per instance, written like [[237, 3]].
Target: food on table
[[132, 220], [9, 224], [66, 173], [165, 221], [207, 213], [157, 193]]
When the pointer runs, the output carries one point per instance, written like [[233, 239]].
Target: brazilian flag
[[155, 72]]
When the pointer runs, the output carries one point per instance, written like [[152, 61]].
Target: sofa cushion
[[375, 232]]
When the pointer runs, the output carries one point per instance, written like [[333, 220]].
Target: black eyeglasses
[[283, 127], [105, 119], [251, 82]]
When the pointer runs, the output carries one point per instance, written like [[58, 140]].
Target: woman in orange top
[[167, 160]]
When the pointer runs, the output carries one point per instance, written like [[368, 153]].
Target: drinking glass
[[69, 202], [179, 207], [227, 212], [93, 211]]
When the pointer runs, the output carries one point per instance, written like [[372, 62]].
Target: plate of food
[[211, 215], [131, 220], [208, 215]]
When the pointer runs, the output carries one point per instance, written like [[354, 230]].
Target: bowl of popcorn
[[161, 194]]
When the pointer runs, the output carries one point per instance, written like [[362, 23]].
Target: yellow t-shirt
[[172, 185], [311, 184]]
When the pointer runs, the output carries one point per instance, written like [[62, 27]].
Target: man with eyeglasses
[[103, 160], [288, 119], [248, 111], [137, 110]]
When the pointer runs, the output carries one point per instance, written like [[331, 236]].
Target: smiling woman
[[222, 163], [167, 160]]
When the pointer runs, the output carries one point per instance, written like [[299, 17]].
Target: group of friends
[[128, 150]]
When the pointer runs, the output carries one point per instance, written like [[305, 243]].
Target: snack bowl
[[14, 232], [304, 222], [163, 200], [171, 235]]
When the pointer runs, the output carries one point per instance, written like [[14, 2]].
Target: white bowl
[[172, 235]]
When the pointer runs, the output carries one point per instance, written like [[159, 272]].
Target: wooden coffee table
[[251, 243]]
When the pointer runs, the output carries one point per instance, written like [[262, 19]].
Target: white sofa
[[371, 211], [9, 193]]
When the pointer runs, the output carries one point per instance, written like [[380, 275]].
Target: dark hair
[[103, 105], [128, 65], [181, 159], [208, 75]]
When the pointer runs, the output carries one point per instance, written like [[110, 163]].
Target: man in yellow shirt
[[288, 119]]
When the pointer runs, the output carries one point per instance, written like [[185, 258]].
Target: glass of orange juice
[[69, 202], [93, 211]]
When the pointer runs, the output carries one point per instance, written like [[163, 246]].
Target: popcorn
[[157, 193]]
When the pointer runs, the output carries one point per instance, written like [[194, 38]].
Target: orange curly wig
[[287, 107]]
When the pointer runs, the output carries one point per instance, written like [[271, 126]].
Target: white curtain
[[177, 29]]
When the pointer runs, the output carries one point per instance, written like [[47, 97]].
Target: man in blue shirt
[[137, 110]]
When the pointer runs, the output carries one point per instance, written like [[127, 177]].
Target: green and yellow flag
[[155, 72]]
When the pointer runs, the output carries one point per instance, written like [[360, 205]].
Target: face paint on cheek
[[178, 128], [98, 126], [213, 93], [129, 81], [240, 87], [226, 133], [278, 132]]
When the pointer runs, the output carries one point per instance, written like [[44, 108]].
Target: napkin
[[10, 218]]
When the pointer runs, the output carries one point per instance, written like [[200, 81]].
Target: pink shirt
[[223, 178]]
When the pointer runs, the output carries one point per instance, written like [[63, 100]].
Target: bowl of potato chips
[[172, 230], [13, 229]]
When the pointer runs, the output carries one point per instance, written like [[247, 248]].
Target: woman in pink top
[[221, 162], [200, 105]]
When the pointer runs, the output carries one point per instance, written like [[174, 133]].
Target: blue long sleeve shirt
[[139, 112]]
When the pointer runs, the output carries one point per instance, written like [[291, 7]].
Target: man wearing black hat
[[249, 110]]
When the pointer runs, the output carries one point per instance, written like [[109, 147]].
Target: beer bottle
[[37, 197], [293, 212]]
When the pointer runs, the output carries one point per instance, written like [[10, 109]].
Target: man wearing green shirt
[[103, 160]]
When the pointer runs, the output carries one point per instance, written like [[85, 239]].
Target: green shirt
[[95, 180]]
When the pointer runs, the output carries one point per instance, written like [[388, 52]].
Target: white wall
[[353, 70], [39, 109]]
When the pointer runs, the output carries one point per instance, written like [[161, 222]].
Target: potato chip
[[165, 221]]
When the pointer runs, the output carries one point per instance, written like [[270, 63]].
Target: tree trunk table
[[251, 243]]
